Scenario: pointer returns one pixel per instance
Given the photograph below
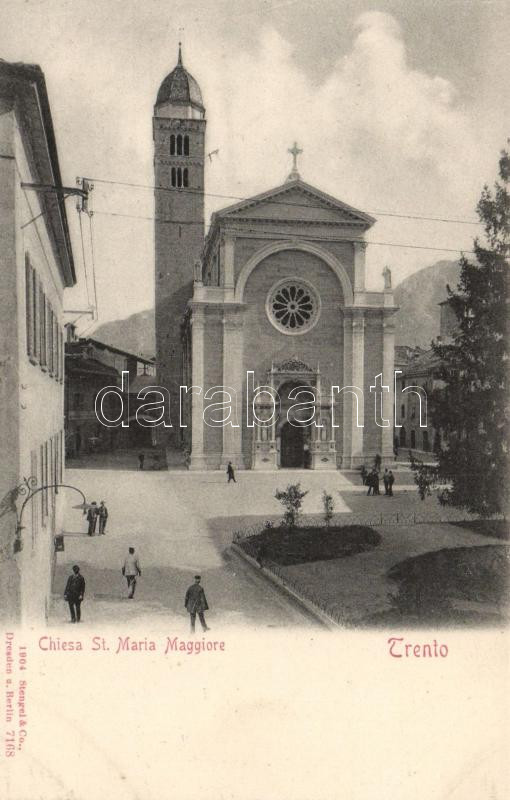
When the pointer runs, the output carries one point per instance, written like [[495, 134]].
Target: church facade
[[268, 317]]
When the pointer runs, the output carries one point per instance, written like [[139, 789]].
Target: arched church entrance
[[292, 447], [294, 434]]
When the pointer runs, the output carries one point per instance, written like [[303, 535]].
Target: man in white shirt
[[131, 570]]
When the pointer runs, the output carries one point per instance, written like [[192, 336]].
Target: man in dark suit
[[230, 473], [74, 591], [195, 603], [92, 518], [102, 513]]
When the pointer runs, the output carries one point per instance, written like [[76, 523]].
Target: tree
[[471, 411], [292, 500]]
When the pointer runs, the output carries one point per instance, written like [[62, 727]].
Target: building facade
[[419, 374], [274, 297], [91, 366], [36, 266]]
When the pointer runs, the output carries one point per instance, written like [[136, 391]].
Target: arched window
[[413, 439], [402, 437], [185, 177], [179, 145], [172, 144], [403, 411], [186, 145], [174, 176]]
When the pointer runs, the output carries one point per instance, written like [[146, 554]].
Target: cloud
[[376, 132]]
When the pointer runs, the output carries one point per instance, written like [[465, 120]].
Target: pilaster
[[227, 248], [354, 373], [359, 266], [233, 379], [197, 460], [388, 380]]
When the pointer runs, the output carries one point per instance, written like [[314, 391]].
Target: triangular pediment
[[296, 201]]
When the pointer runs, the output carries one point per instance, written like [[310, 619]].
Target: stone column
[[233, 379], [359, 266], [197, 459], [387, 434], [354, 374], [345, 399], [358, 379]]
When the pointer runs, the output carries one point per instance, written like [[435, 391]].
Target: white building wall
[[41, 398]]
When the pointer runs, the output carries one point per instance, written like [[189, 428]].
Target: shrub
[[328, 505], [292, 500]]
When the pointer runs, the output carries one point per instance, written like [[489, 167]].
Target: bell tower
[[179, 147]]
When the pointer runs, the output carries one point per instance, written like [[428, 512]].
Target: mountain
[[418, 298], [417, 320], [134, 334]]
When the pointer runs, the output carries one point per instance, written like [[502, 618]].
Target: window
[[186, 145], [29, 312], [43, 357], [179, 177], [62, 354], [413, 439], [172, 145], [60, 456], [50, 324], [179, 144], [403, 411], [402, 437], [36, 307], [293, 306], [426, 445]]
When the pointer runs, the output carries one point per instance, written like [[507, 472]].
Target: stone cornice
[[169, 124], [179, 161]]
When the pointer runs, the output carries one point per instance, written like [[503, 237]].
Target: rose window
[[293, 306]]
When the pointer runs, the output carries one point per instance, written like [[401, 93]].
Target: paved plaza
[[181, 523], [165, 516]]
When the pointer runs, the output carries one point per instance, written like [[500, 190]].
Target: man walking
[[102, 513], [391, 481], [230, 473], [131, 570], [92, 518], [386, 481], [74, 591], [195, 603], [370, 482]]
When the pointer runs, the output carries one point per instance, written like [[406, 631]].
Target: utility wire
[[294, 235], [84, 259], [278, 202], [93, 265]]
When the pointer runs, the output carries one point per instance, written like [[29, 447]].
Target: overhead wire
[[398, 215], [292, 235]]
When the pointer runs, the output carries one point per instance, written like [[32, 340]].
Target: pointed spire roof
[[180, 87]]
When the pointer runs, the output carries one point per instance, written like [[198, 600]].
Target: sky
[[400, 106]]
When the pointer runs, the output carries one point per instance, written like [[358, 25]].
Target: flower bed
[[305, 544]]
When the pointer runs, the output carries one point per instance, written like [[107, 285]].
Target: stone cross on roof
[[294, 151]]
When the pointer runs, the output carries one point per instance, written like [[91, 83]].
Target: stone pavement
[[165, 515]]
